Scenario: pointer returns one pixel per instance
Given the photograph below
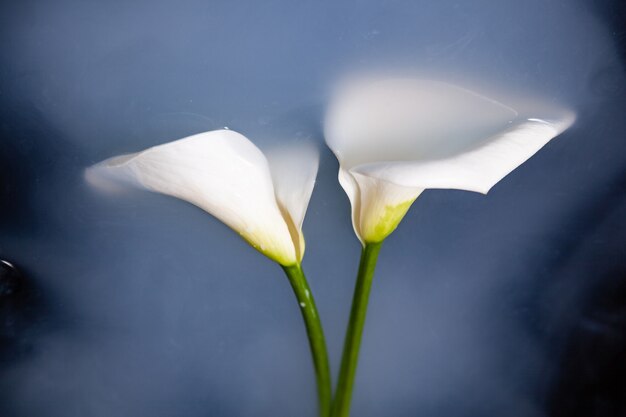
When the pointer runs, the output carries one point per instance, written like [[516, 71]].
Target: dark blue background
[[505, 305]]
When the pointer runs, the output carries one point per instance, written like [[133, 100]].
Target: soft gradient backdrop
[[509, 305]]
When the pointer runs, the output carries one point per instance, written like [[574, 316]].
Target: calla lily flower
[[225, 174], [264, 199], [394, 138]]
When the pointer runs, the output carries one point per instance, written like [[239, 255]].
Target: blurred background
[[506, 305]]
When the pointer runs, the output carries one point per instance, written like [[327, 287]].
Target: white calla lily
[[394, 138], [225, 174]]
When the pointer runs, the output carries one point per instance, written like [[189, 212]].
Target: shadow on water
[[578, 309], [31, 151], [21, 306], [590, 380], [26, 312], [590, 282]]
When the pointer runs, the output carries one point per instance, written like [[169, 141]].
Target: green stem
[[349, 360], [315, 333]]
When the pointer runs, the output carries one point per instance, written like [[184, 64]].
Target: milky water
[[145, 305]]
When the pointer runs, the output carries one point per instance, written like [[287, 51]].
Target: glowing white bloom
[[394, 138], [225, 174]]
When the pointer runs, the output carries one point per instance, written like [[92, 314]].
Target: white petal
[[478, 168], [408, 119], [221, 172], [350, 186], [294, 169]]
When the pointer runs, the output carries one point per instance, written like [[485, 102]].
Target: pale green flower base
[[383, 223]]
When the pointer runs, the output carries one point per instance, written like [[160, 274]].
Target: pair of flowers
[[393, 138]]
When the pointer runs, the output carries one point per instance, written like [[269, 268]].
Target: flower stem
[[349, 360], [315, 333]]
